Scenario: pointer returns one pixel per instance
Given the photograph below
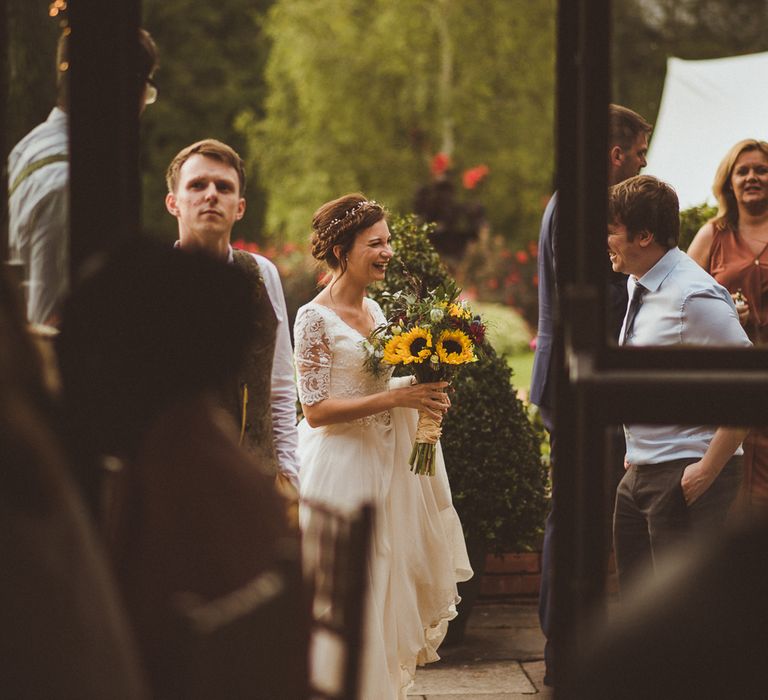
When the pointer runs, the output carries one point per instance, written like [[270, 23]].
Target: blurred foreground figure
[[64, 632], [190, 517], [38, 189], [697, 629]]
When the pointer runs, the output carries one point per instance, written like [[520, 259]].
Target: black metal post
[[4, 77], [582, 123], [104, 112]]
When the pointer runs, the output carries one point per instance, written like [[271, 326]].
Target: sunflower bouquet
[[430, 334]]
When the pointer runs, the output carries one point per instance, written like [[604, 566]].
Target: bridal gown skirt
[[418, 552]]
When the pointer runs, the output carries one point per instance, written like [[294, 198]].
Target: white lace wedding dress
[[418, 551]]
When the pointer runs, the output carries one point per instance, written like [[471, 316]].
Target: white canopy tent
[[706, 107]]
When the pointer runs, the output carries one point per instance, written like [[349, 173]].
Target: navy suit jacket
[[541, 380], [541, 386]]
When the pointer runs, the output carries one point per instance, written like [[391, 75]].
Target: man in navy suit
[[627, 148]]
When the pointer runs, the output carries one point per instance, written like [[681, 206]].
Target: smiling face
[[626, 255], [370, 254], [206, 202], [749, 179]]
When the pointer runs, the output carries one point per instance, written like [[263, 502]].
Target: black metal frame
[[598, 385], [4, 147], [105, 194]]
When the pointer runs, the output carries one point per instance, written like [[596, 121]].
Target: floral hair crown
[[358, 207]]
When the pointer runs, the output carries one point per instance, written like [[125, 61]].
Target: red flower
[[474, 176], [248, 246], [440, 163], [492, 283], [533, 249], [522, 257], [477, 331]]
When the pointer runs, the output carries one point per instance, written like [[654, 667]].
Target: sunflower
[[415, 345], [393, 350], [459, 311], [455, 348]]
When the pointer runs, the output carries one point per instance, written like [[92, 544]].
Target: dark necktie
[[634, 307]]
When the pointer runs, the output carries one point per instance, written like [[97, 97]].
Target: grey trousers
[[650, 513]]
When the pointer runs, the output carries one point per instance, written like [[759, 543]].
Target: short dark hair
[[210, 148], [626, 125], [644, 203], [148, 60]]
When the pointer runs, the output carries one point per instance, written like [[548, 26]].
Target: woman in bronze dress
[[733, 248]]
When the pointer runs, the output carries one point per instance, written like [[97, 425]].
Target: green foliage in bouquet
[[492, 452], [691, 220]]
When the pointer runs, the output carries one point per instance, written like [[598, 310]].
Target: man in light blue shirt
[[678, 478]]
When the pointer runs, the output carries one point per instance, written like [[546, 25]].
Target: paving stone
[[504, 615], [481, 678], [484, 696], [500, 659], [535, 672]]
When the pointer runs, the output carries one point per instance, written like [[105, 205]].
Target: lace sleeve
[[313, 356]]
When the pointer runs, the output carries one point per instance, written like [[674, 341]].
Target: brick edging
[[517, 575]]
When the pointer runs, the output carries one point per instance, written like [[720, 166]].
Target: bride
[[354, 445]]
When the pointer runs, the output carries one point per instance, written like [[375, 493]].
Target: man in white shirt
[[206, 183], [678, 478], [38, 192]]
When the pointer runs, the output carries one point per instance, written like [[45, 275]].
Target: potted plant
[[492, 452]]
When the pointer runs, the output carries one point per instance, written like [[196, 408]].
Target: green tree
[[363, 92], [212, 60], [647, 32], [32, 37]]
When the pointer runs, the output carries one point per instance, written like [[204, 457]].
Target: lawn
[[522, 364]]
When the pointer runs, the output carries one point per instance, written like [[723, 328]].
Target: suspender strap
[[34, 166]]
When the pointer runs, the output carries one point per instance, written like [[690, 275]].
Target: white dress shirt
[[283, 375], [38, 216], [684, 305]]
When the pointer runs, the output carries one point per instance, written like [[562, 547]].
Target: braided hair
[[338, 222]]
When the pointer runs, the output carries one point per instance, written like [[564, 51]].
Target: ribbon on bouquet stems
[[423, 453]]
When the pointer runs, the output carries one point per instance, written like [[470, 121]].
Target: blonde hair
[[727, 209]]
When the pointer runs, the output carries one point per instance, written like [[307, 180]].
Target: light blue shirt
[[683, 306]]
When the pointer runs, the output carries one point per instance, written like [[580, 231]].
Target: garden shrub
[[691, 220], [492, 452]]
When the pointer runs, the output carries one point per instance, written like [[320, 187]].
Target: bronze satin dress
[[734, 265]]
